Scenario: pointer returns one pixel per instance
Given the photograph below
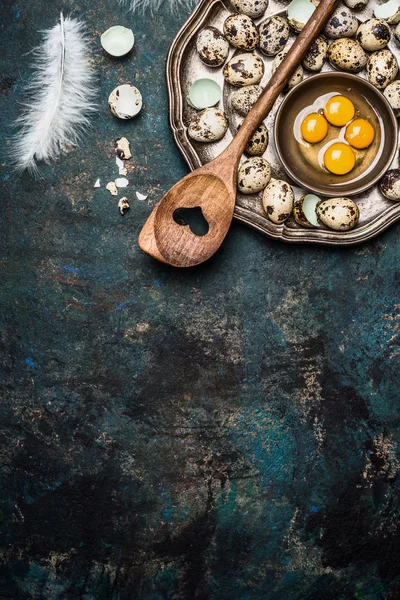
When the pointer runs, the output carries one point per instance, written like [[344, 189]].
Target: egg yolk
[[360, 133], [339, 110], [339, 159], [314, 128]]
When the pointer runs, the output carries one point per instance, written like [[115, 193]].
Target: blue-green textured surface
[[229, 432]]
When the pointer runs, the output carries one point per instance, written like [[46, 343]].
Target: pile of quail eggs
[[346, 43]]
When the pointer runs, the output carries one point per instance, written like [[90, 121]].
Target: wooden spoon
[[213, 186]]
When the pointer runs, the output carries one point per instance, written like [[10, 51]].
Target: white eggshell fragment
[[373, 34], [243, 100], [123, 205], [117, 40], [121, 182], [340, 214], [212, 47], [97, 183], [112, 188], [356, 4], [315, 56], [392, 95], [347, 55], [241, 32], [253, 175], [125, 101], [252, 8], [390, 184], [204, 93], [341, 24], [244, 69], [382, 68], [278, 200], [298, 12], [274, 33], [209, 125], [304, 211], [390, 11], [122, 148], [258, 142], [297, 76], [140, 196]]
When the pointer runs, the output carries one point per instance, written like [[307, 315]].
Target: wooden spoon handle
[[279, 79]]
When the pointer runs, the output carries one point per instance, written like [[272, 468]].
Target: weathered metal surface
[[184, 67]]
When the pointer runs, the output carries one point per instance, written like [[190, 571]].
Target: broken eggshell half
[[298, 12], [117, 40], [125, 101], [304, 211], [390, 11], [204, 93]]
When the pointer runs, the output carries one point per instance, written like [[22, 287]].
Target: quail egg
[[315, 56], [342, 24], [392, 95], [243, 100], [244, 69], [252, 8], [278, 200], [241, 32], [347, 55], [117, 40], [297, 76], [212, 47], [373, 34], [274, 33], [390, 11], [258, 142], [209, 125], [382, 68], [340, 214], [253, 175], [390, 184], [304, 211], [356, 4], [298, 12], [125, 101]]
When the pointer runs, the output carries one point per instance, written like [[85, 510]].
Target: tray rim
[[241, 214]]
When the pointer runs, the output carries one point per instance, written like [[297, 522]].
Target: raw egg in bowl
[[335, 134]]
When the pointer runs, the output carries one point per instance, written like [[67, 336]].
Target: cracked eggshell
[[341, 24], [390, 184], [241, 32], [390, 11], [244, 69], [298, 12], [278, 200], [373, 34], [315, 56], [122, 148], [117, 40], [258, 142], [304, 210], [243, 100], [253, 175], [397, 33], [392, 95], [252, 8], [382, 68], [340, 214], [297, 76], [212, 47], [209, 125], [356, 4], [125, 101], [123, 205], [347, 55], [274, 33]]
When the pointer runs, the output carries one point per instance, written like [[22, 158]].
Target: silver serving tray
[[184, 67]]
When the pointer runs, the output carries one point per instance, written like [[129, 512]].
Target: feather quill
[[155, 5], [60, 97]]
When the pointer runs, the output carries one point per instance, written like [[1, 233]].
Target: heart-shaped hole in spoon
[[192, 217]]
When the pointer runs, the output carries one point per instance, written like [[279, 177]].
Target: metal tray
[[184, 67]]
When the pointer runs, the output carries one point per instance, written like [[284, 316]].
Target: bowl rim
[[314, 188]]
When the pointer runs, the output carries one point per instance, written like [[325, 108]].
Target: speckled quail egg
[[340, 214], [252, 8], [297, 76], [356, 4], [212, 47], [373, 34], [392, 95], [243, 100], [209, 125], [244, 69], [390, 184], [315, 56], [274, 33], [258, 142], [390, 11], [342, 24], [253, 175], [347, 55], [382, 68], [278, 200], [241, 32]]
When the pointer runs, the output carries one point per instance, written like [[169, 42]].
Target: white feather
[[155, 5], [60, 96]]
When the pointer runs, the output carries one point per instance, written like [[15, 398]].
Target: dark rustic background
[[226, 433]]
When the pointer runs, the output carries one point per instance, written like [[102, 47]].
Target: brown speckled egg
[[274, 33], [278, 200], [373, 34], [390, 184], [241, 32], [392, 95], [243, 100], [258, 142], [209, 125], [297, 76], [340, 214], [212, 47], [342, 24], [244, 69], [315, 56], [347, 55], [253, 8], [382, 68], [253, 175]]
